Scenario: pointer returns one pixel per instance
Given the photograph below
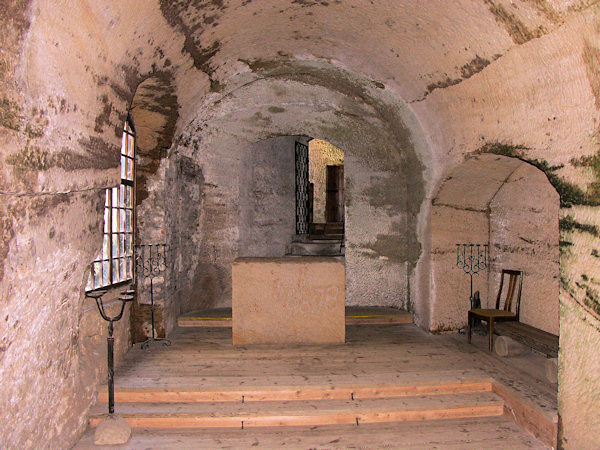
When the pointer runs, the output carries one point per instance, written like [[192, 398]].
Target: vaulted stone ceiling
[[424, 84]]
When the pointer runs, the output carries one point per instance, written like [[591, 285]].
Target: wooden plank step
[[221, 317], [299, 413], [287, 393], [496, 432], [379, 319]]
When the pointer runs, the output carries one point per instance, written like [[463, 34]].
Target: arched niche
[[154, 111], [383, 147], [511, 206]]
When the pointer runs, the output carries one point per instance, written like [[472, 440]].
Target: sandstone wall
[[407, 89], [267, 197]]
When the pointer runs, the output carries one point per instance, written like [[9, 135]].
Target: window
[[114, 264]]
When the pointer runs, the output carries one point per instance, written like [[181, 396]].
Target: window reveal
[[114, 264]]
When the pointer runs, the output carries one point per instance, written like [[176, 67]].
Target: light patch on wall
[[321, 154]]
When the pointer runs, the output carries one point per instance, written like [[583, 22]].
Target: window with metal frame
[[114, 264]]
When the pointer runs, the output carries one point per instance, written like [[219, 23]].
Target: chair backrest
[[515, 280]]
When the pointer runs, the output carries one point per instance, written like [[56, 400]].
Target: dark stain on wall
[[103, 118], [516, 29], [99, 154], [14, 23], [442, 84], [192, 26], [547, 10], [474, 66], [384, 192], [10, 114], [156, 94], [570, 194], [568, 223]]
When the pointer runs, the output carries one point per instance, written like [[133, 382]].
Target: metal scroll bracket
[[150, 263]]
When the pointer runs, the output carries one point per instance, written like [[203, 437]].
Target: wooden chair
[[497, 314]]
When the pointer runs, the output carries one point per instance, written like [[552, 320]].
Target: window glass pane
[[123, 144], [122, 196], [115, 271], [115, 245], [129, 169], [115, 220], [122, 220], [97, 274], [121, 244], [129, 268], [129, 197], [106, 220], [123, 166], [127, 244], [128, 220], [130, 146], [107, 198], [105, 274], [106, 247], [115, 196], [122, 269]]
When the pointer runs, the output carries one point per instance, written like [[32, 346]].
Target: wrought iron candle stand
[[125, 297], [150, 263], [472, 258]]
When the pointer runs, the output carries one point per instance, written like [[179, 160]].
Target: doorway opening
[[320, 195], [320, 199]]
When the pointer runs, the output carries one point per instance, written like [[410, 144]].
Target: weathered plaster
[[503, 71]]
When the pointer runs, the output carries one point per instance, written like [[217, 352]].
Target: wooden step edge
[[482, 409], [289, 393], [528, 416], [215, 322], [225, 322], [379, 320]]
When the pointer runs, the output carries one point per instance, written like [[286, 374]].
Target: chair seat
[[492, 313]]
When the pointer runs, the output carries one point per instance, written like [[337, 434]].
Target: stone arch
[[154, 112], [383, 147], [511, 206]]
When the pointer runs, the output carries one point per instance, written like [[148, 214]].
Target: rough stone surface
[[267, 197], [112, 430], [291, 300], [406, 89]]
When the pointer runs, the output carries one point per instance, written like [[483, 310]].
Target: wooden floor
[[204, 359], [355, 315], [494, 433]]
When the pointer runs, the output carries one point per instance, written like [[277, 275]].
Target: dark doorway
[[334, 201]]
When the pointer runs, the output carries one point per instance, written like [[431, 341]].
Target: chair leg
[[491, 332], [469, 328]]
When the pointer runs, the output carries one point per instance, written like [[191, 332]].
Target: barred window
[[114, 264]]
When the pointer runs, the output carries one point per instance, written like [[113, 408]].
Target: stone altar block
[[289, 300]]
